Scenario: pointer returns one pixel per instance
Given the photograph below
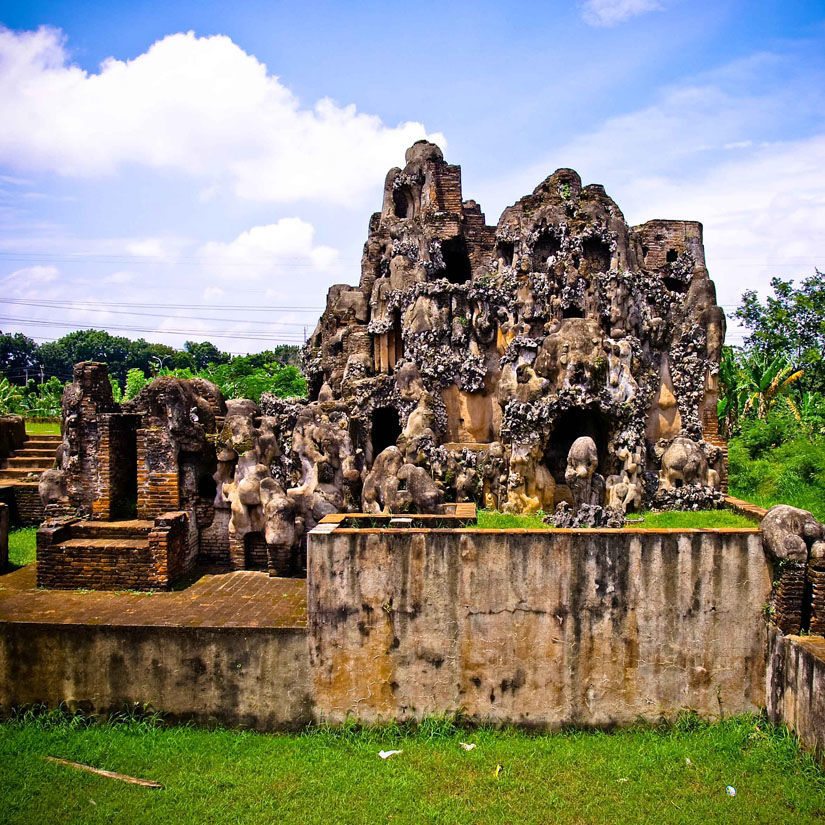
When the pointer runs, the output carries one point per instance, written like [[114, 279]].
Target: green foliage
[[777, 461], [135, 382], [11, 397], [646, 774], [243, 377], [790, 323], [33, 400]]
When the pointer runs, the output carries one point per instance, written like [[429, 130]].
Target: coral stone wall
[[589, 628]]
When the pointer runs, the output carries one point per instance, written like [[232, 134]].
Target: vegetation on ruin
[[42, 427], [675, 773], [675, 519], [22, 546]]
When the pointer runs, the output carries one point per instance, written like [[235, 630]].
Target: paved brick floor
[[241, 599]]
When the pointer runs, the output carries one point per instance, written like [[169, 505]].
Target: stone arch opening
[[547, 246], [457, 268], [386, 428], [672, 256], [403, 202], [569, 426]]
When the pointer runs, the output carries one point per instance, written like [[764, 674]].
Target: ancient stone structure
[[492, 355], [559, 361]]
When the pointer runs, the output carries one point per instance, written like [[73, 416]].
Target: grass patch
[[677, 519], [674, 774], [494, 520], [696, 520], [42, 428], [22, 546]]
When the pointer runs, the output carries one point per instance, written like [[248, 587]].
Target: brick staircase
[[26, 465], [98, 555]]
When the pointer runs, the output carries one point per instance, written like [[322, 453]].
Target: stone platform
[[238, 599]]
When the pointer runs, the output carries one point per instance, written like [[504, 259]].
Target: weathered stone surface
[[789, 532], [541, 629]]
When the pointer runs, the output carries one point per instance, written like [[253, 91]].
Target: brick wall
[[153, 564], [214, 540]]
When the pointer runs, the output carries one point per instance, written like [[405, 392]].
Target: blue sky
[[208, 169]]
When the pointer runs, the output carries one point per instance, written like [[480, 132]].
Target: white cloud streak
[[200, 106], [608, 13]]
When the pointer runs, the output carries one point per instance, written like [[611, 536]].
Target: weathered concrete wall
[[243, 677], [545, 629], [796, 686]]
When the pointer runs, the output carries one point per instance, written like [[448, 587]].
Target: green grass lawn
[[647, 775], [22, 546], [43, 428], [493, 520]]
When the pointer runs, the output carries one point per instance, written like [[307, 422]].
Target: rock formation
[[559, 361]]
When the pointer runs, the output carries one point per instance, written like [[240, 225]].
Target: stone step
[[45, 452], [22, 473], [103, 545], [127, 529], [44, 439], [17, 460]]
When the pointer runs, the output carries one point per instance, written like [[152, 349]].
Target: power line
[[289, 337], [69, 304], [103, 308]]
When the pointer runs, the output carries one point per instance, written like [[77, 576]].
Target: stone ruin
[[560, 361]]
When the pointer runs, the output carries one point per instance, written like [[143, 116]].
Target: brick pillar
[[816, 585], [102, 504], [788, 596], [158, 484]]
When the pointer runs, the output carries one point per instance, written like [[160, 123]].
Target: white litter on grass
[[623, 779], [730, 790], [468, 746], [388, 754], [687, 761]]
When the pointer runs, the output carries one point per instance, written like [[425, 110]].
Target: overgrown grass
[[766, 470], [702, 519], [675, 774], [22, 546], [42, 427]]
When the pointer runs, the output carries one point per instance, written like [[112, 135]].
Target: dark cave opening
[[402, 199], [457, 268], [569, 426], [672, 256], [386, 427]]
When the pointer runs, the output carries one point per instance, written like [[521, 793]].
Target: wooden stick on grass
[[144, 783]]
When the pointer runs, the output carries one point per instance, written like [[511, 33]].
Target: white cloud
[[30, 275], [276, 248], [119, 278], [606, 13], [198, 105]]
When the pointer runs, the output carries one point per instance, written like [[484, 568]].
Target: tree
[[18, 354], [204, 353], [58, 357], [791, 323], [766, 382]]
